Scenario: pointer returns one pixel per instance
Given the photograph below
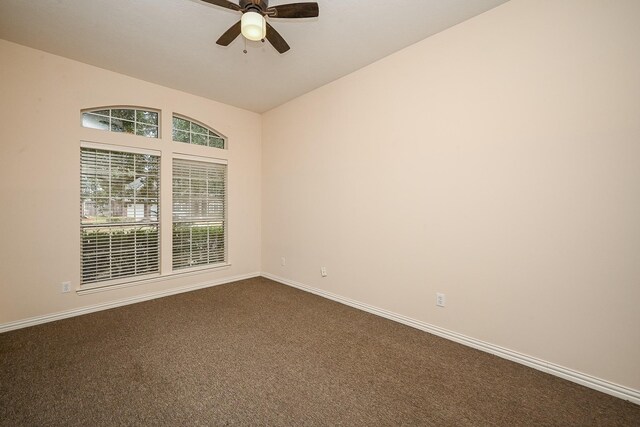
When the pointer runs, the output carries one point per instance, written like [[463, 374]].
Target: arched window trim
[[143, 122], [216, 134]]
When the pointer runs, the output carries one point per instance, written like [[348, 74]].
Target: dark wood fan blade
[[223, 3], [294, 10], [276, 39], [229, 35]]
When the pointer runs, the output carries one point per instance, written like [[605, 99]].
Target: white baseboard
[[541, 365], [32, 321]]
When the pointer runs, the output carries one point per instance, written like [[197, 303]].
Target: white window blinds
[[199, 213], [119, 214]]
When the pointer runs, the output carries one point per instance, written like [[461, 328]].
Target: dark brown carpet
[[259, 353]]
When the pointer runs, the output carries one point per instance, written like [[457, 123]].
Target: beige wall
[[497, 162], [40, 101]]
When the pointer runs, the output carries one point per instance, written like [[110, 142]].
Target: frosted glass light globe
[[253, 26]]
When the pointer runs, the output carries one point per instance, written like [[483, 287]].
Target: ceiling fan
[[253, 24]]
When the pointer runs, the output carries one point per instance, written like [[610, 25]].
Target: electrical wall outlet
[[323, 271], [440, 300], [65, 287], [283, 261]]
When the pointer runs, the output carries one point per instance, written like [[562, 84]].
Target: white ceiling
[[172, 42]]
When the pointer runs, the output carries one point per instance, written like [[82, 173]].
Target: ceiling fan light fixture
[[253, 26]]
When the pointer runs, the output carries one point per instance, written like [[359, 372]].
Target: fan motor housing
[[262, 5]]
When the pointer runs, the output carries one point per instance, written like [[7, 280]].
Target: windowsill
[[92, 289]]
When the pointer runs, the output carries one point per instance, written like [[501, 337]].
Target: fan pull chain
[[245, 46]]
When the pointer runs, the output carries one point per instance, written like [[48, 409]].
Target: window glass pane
[[149, 131], [129, 179], [197, 244], [124, 114], [180, 136], [216, 142], [101, 112], [118, 125], [199, 129], [198, 139], [148, 117], [95, 122], [95, 210], [146, 164], [180, 124]]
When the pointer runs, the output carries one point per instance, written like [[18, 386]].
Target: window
[[121, 238], [119, 214], [185, 130], [199, 213], [127, 120]]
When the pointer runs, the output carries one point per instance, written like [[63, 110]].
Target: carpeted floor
[[259, 353]]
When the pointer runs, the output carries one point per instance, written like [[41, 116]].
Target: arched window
[[137, 121], [188, 131]]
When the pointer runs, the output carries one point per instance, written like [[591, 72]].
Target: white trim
[[93, 287], [122, 148], [604, 386], [119, 107], [157, 278], [197, 158], [505, 353], [32, 321]]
